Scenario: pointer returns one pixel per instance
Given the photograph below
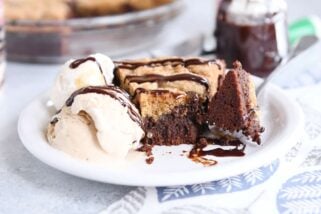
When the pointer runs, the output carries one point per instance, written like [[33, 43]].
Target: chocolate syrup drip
[[78, 62], [113, 92], [54, 121], [75, 64], [198, 149], [173, 61], [156, 92], [172, 78]]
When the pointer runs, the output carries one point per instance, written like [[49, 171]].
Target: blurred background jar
[[2, 44], [253, 32]]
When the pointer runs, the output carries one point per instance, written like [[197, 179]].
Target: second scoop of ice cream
[[94, 70]]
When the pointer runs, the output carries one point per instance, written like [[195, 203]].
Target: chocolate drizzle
[[54, 121], [198, 152], [114, 92], [171, 78], [75, 64], [172, 61], [132, 65]]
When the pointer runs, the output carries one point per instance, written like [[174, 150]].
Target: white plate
[[281, 117]]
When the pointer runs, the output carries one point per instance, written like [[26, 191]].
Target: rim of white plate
[[56, 159]]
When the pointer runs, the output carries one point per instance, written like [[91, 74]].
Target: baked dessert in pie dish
[[107, 109], [66, 9], [54, 31]]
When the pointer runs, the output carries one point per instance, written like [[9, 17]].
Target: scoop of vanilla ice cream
[[74, 134], [95, 70], [115, 131]]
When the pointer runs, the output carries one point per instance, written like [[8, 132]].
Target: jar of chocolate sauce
[[253, 32]]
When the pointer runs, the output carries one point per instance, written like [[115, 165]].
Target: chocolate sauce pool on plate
[[199, 151]]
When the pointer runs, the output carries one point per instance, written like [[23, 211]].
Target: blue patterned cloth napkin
[[290, 184]]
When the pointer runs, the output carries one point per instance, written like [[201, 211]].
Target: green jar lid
[[307, 26]]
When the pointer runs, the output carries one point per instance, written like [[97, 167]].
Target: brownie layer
[[234, 107], [180, 126]]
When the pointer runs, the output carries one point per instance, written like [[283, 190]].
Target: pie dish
[[56, 40]]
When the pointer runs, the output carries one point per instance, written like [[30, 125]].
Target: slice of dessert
[[171, 94], [234, 109]]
